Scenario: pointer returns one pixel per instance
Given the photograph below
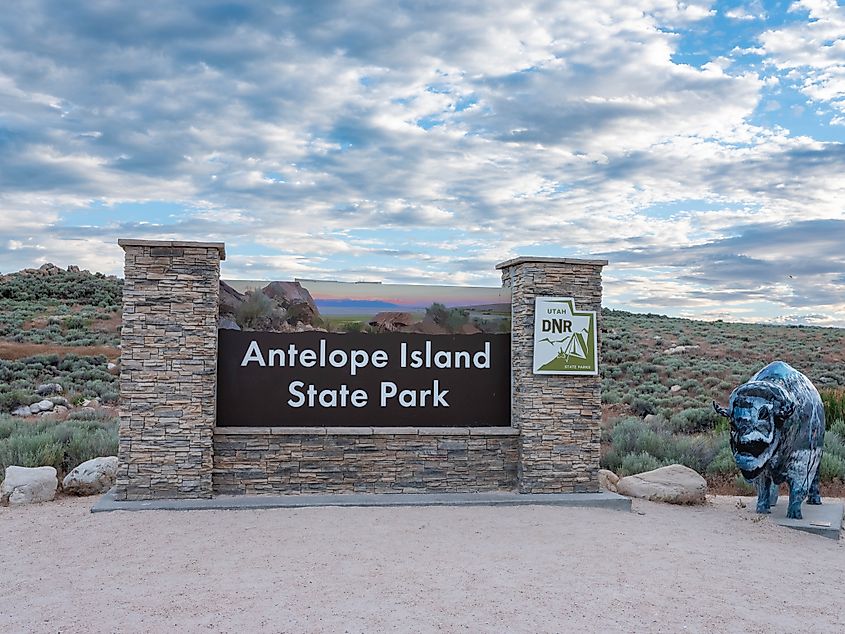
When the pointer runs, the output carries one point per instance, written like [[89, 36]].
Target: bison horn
[[721, 411]]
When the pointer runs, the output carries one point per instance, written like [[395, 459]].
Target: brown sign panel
[[268, 379]]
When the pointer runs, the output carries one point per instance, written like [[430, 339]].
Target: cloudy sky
[[697, 146]]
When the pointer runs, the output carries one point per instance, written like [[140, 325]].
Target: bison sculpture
[[777, 435]]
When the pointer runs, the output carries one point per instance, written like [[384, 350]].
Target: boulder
[[41, 406], [25, 485], [226, 323], [60, 410], [675, 484], [608, 480], [230, 300], [675, 388], [91, 477], [23, 410], [391, 321], [295, 300], [46, 389], [680, 349], [59, 400]]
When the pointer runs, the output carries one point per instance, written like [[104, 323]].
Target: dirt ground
[[716, 568]]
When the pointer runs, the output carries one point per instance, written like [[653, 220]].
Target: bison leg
[[815, 496], [797, 494], [773, 494], [764, 486]]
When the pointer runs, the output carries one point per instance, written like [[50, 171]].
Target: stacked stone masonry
[[363, 460], [169, 447], [558, 417], [168, 369]]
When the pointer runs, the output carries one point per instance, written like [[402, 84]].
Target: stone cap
[[174, 244], [530, 258]]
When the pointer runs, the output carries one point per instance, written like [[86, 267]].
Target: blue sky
[[698, 146]]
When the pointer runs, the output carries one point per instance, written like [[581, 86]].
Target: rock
[[49, 388], [91, 477], [23, 410], [680, 349], [44, 405], [391, 321], [24, 485], [60, 409], [72, 268], [111, 366], [91, 402], [230, 300], [653, 419], [608, 480], [468, 329], [59, 400], [675, 484], [226, 323], [675, 388], [49, 269], [295, 300]]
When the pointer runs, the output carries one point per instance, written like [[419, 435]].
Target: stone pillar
[[558, 417], [168, 378]]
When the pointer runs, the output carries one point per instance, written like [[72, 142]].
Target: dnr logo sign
[[565, 340]]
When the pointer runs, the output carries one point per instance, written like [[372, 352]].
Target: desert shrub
[[838, 427], [61, 445], [832, 468], [695, 452], [695, 420], [643, 407], [256, 309], [638, 463], [90, 414], [834, 404], [610, 396], [450, 318], [634, 436], [744, 486], [723, 463], [353, 326], [79, 375], [14, 398], [79, 288], [834, 444]]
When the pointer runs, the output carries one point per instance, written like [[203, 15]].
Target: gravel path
[[447, 569]]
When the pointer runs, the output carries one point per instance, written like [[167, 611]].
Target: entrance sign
[[565, 340], [267, 379]]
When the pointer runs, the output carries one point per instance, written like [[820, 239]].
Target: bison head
[[757, 411]]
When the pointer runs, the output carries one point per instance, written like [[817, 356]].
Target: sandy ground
[[484, 569]]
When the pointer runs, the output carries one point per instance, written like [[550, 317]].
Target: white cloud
[[456, 137]]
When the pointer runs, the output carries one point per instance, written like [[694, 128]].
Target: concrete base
[[234, 502], [824, 519]]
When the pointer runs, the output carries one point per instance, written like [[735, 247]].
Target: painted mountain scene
[[365, 306]]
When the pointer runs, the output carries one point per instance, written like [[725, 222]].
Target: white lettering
[[388, 390], [481, 359], [293, 390], [253, 353], [379, 359]]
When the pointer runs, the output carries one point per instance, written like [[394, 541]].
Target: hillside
[[659, 374]]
